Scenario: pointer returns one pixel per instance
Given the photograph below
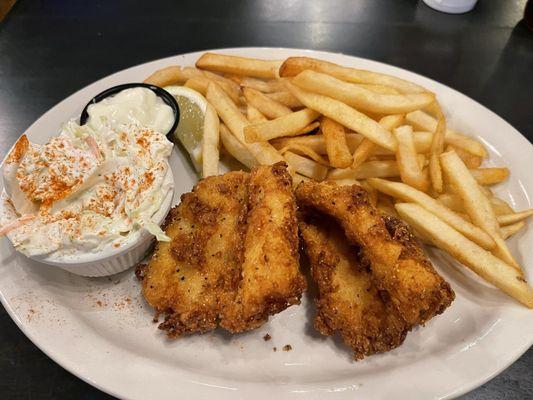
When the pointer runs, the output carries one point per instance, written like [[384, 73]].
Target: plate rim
[[66, 364]]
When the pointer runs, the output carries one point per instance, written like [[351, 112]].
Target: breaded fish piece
[[188, 276], [348, 301], [399, 265], [271, 279], [214, 269]]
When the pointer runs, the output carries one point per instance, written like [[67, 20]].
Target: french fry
[[236, 149], [410, 170], [297, 179], [306, 167], [508, 219], [286, 98], [345, 115], [490, 176], [286, 125], [210, 153], [269, 86], [425, 122], [470, 160], [362, 153], [172, 75], [479, 260], [437, 147], [366, 148], [239, 65], [409, 194], [309, 128], [476, 204], [452, 201], [369, 169], [360, 98], [228, 112], [200, 83], [254, 115], [306, 151], [336, 147], [292, 66], [219, 78], [267, 106], [510, 230], [381, 89], [347, 182], [500, 206]]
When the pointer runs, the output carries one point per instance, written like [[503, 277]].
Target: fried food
[[399, 265], [348, 301], [233, 255], [270, 275]]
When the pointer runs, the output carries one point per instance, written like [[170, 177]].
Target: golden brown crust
[[417, 291], [213, 270], [271, 278], [348, 301]]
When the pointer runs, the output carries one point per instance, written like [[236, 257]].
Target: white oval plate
[[101, 329]]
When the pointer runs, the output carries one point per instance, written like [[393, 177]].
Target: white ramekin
[[111, 260]]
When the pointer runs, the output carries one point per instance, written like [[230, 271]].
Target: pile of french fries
[[360, 127]]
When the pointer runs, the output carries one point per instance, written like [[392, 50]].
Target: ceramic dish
[[101, 330]]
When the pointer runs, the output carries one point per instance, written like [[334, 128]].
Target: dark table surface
[[51, 48]]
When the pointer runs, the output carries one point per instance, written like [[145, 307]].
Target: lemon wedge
[[190, 128]]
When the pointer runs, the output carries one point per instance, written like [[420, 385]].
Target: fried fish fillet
[[215, 268], [348, 301], [399, 265], [270, 275]]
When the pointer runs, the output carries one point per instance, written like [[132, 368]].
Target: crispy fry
[[369, 169], [347, 182], [286, 98], [482, 262], [421, 120], [292, 66], [236, 148], [509, 230], [210, 153], [500, 206], [410, 170], [168, 76], [408, 194], [307, 151], [452, 201], [508, 219], [335, 136], [437, 147], [366, 148], [236, 122], [470, 160], [309, 128], [267, 106], [239, 65], [305, 166], [200, 83], [286, 125], [345, 115], [254, 115], [269, 86], [476, 204], [381, 89], [359, 97], [490, 176]]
